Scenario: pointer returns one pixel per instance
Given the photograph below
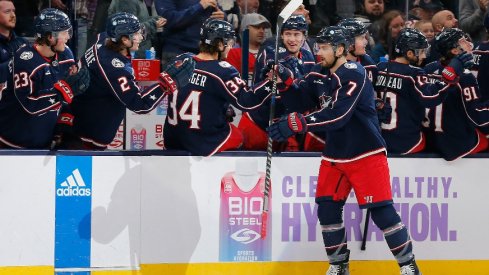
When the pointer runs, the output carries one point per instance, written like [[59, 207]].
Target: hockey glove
[[287, 126], [177, 73], [293, 64], [63, 126], [384, 110], [266, 69], [456, 67], [73, 85]]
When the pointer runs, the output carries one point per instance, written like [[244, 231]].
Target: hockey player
[[408, 91], [44, 77], [481, 68], [357, 51], [349, 160], [253, 124], [196, 119], [453, 123], [99, 112]]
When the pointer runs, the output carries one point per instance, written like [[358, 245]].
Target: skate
[[410, 269], [339, 269]]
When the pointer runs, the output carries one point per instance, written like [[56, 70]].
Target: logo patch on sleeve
[[117, 63], [26, 55], [225, 64]]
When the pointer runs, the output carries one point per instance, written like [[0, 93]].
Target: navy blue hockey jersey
[[453, 123], [369, 64], [261, 115], [409, 92], [29, 106], [100, 110], [347, 112], [196, 119], [481, 67]]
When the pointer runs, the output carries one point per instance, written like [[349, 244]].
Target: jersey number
[[20, 80], [188, 111], [392, 99], [124, 83]]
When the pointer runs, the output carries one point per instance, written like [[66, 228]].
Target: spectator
[[391, 24], [112, 88], [184, 20], [371, 9], [45, 77], [197, 120], [471, 17], [151, 23], [425, 27], [443, 19], [406, 88], [256, 23], [453, 123], [9, 41], [425, 9]]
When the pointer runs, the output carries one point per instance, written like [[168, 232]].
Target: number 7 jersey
[[196, 119]]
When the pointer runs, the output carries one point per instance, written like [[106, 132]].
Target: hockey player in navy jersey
[[453, 123], [44, 78], [354, 156], [358, 49], [196, 119], [408, 91], [99, 112], [293, 35], [481, 68]]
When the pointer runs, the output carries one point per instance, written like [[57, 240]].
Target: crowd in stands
[[172, 27]]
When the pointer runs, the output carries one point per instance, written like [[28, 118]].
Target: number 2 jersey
[[196, 119], [100, 110], [29, 106]]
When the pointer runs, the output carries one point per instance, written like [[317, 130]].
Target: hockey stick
[[384, 100], [282, 17]]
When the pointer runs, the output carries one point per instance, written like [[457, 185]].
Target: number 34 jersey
[[196, 119]]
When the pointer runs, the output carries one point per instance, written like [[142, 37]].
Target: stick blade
[[289, 9], [264, 221]]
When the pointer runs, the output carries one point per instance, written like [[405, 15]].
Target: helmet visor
[[425, 51]]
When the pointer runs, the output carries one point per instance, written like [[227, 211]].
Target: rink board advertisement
[[179, 209]]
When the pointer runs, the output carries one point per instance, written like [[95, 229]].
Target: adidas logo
[[74, 185]]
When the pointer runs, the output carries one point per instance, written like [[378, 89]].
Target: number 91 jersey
[[196, 119]]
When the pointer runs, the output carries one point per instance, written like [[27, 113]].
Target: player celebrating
[[301, 61], [357, 52], [196, 121], [44, 76], [408, 91], [349, 160], [453, 123], [99, 112]]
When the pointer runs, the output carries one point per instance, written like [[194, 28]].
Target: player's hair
[[115, 46], [210, 49], [43, 40]]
